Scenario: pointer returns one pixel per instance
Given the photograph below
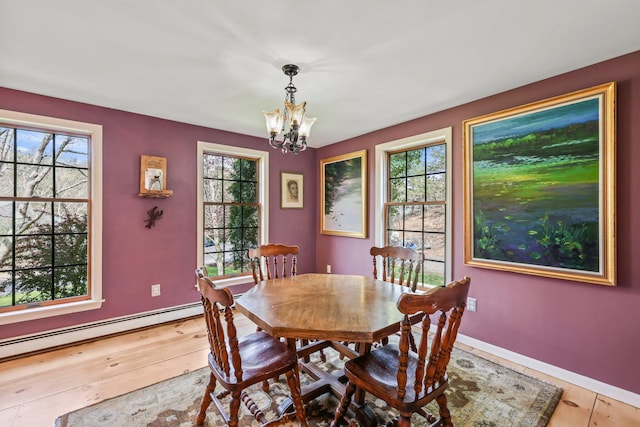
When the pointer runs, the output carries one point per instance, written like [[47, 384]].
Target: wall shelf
[[156, 194]]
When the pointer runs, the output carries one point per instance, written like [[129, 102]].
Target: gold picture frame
[[540, 190], [291, 190], [153, 177], [343, 195]]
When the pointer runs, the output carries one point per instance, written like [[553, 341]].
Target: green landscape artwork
[[536, 187]]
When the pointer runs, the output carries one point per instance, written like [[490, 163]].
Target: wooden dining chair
[[270, 261], [398, 264], [237, 363], [408, 381]]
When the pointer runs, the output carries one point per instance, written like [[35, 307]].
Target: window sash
[[89, 196], [441, 253], [260, 204]]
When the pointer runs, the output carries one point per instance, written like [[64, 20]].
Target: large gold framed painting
[[540, 188]]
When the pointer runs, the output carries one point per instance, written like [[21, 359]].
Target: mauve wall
[[135, 257], [587, 329]]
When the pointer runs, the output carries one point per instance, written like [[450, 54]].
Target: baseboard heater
[[12, 347]]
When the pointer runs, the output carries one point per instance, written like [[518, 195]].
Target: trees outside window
[[231, 213], [416, 206], [413, 192], [233, 207], [44, 216]]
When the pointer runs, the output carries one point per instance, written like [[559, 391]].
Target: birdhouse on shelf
[[153, 178]]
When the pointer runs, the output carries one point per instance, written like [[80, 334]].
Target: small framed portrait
[[291, 190]]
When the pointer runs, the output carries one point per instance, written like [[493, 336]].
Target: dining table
[[345, 312]]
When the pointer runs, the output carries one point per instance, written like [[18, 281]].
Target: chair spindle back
[[270, 261], [431, 366], [399, 265], [222, 333]]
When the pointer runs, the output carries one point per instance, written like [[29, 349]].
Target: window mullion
[[52, 239]]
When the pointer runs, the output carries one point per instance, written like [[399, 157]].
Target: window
[[49, 216], [232, 209], [413, 189]]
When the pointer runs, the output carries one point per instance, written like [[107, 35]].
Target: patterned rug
[[481, 394]]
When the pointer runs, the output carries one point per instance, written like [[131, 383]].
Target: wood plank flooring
[[35, 390]]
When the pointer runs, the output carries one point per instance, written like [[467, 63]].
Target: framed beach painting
[[343, 191], [540, 188], [291, 190]]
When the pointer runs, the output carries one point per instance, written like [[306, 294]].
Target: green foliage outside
[[44, 225], [418, 176], [243, 224], [212, 271], [232, 214], [432, 279], [425, 277], [61, 273]]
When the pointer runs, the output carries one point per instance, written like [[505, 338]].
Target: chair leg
[[293, 379], [403, 421], [234, 406], [206, 400], [344, 404], [304, 342], [445, 415]]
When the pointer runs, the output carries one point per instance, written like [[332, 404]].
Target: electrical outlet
[[155, 290], [472, 304], [329, 268]]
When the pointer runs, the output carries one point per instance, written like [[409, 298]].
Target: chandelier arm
[[275, 143]]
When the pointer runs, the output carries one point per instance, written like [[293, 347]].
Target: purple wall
[[135, 257], [588, 329]]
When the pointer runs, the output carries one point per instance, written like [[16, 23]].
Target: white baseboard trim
[[608, 390], [39, 341]]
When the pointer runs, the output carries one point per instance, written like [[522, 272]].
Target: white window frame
[[263, 197], [94, 132], [381, 176]]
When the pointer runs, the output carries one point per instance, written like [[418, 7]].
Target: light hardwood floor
[[35, 390]]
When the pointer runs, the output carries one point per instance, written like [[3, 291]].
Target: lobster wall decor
[[154, 215]]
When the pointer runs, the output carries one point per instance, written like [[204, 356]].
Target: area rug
[[481, 394]]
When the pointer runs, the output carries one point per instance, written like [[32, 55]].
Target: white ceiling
[[365, 65]]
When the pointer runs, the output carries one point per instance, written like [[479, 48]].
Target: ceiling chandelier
[[294, 140]]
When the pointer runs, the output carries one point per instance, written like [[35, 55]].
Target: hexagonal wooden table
[[329, 310]]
